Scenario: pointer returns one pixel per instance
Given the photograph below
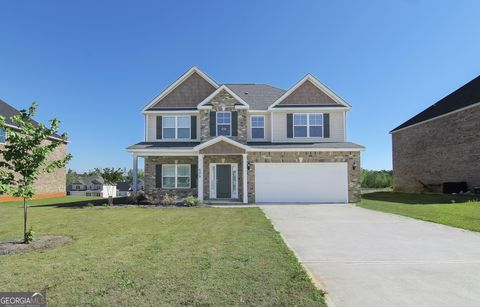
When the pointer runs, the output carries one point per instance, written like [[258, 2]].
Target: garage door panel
[[301, 182]]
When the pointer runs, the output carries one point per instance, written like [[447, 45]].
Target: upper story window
[[176, 127], [224, 123], [3, 136], [258, 126], [307, 125]]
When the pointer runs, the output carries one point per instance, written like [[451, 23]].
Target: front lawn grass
[[460, 211], [148, 256]]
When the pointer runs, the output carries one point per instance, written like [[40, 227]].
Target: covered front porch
[[214, 171]]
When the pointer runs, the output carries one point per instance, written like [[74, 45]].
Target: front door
[[224, 181]]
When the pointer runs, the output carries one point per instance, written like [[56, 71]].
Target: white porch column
[[134, 175], [200, 177], [245, 175]]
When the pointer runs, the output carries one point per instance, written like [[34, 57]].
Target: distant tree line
[[73, 176], [376, 179]]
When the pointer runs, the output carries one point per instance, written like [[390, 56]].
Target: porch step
[[224, 202]]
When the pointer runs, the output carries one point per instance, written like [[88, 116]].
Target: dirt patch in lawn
[[40, 243]]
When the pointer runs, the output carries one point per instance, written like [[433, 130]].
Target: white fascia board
[[310, 109], [315, 82], [49, 137], [180, 80], [162, 152], [438, 117], [218, 90], [170, 111], [252, 149], [219, 139]]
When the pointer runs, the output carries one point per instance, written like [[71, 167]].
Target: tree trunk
[[110, 200], [25, 220]]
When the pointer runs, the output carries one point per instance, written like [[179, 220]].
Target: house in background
[[248, 143], [48, 184], [440, 144], [92, 186], [125, 188]]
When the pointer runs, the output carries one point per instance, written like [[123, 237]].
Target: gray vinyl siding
[[337, 127], [151, 122]]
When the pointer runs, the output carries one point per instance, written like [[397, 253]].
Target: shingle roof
[[260, 145], [8, 111], [258, 96], [123, 186], [465, 96], [169, 145]]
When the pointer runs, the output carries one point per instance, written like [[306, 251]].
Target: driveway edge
[[316, 281]]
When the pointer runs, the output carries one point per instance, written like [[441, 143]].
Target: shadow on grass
[[84, 203], [419, 199]]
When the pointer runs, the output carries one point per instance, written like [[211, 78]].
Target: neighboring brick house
[[440, 144], [248, 143], [47, 185]]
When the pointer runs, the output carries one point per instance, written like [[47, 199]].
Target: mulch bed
[[40, 243]]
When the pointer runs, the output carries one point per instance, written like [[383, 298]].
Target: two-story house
[[248, 143]]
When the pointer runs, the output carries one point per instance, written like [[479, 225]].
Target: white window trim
[[251, 127], [216, 123], [176, 127], [176, 176], [213, 179], [308, 126]]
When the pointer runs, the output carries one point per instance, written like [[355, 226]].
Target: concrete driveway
[[369, 258]]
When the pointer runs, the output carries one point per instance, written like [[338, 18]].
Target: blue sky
[[95, 64]]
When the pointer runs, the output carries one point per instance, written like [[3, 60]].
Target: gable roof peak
[[223, 87], [176, 83], [317, 83]]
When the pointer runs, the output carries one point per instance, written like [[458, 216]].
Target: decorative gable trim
[[179, 81], [220, 139], [315, 82], [203, 106]]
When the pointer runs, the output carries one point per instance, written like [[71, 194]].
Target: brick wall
[[49, 184], [442, 150]]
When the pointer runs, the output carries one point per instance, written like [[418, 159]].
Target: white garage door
[[301, 182]]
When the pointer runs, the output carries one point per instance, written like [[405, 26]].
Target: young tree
[[26, 156], [129, 176], [111, 177]]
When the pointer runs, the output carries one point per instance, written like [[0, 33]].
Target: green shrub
[[137, 199], [191, 201], [30, 235], [90, 205], [169, 200], [376, 179]]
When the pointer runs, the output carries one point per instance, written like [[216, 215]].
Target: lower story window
[[176, 176]]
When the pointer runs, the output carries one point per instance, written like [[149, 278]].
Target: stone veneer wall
[[223, 102], [221, 159], [49, 184], [155, 194], [354, 192], [446, 149]]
